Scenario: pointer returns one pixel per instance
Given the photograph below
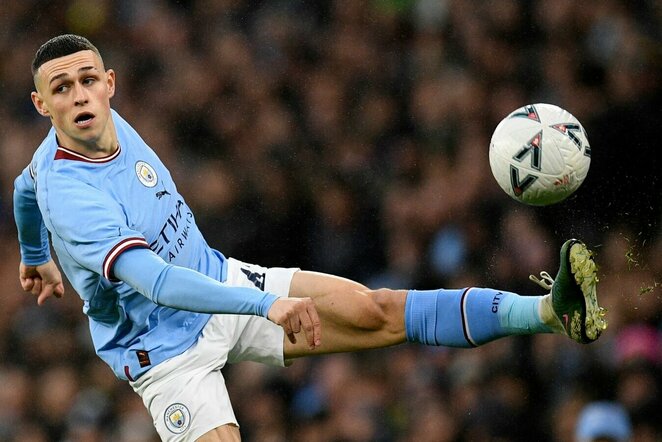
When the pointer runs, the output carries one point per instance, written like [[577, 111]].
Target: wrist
[[266, 303]]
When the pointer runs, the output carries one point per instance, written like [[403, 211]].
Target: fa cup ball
[[539, 154]]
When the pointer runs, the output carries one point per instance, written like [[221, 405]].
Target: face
[[74, 91]]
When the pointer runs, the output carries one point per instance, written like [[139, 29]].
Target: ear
[[39, 104], [110, 82]]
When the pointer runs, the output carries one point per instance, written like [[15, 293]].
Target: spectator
[[603, 422], [394, 103]]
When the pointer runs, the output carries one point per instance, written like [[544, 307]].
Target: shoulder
[[65, 196], [74, 207], [69, 187]]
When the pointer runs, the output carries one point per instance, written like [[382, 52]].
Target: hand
[[294, 315], [43, 281]]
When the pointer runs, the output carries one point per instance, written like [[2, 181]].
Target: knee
[[383, 309]]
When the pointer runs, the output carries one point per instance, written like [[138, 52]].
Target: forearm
[[186, 289], [32, 233]]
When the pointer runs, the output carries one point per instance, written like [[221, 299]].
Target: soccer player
[[166, 311]]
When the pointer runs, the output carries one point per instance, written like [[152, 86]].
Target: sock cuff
[[469, 317]]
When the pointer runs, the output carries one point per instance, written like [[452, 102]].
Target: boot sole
[[584, 270]]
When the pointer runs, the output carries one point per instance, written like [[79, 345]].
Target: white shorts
[[186, 395]]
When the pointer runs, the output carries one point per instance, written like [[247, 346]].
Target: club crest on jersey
[[146, 174], [177, 418]]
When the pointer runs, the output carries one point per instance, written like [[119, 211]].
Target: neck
[[97, 150], [100, 147]]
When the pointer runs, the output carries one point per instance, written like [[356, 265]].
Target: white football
[[539, 154]]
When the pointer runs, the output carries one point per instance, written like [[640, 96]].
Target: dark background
[[351, 137]]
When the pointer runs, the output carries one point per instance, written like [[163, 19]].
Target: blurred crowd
[[351, 137]]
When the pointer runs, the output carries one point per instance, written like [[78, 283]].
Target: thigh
[[353, 317]]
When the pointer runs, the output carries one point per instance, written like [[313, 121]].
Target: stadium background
[[351, 137]]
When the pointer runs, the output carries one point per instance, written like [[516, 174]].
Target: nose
[[80, 94]]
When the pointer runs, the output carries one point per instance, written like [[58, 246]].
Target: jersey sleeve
[[91, 225], [32, 232]]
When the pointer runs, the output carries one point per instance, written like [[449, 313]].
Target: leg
[[353, 317]]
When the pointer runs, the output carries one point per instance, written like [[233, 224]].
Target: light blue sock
[[469, 317]]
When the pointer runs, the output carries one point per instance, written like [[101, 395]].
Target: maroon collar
[[63, 153]]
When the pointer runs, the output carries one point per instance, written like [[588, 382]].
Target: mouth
[[84, 119]]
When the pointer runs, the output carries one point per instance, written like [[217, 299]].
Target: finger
[[316, 324], [46, 293], [59, 290], [307, 326], [291, 336], [295, 323], [295, 327], [36, 287], [27, 284], [288, 331]]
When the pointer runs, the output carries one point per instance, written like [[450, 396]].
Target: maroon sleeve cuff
[[117, 250]]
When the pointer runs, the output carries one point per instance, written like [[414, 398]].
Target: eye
[[61, 89], [89, 80]]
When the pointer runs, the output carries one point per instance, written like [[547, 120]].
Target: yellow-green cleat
[[573, 295]]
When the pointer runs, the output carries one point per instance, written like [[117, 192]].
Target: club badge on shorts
[[177, 418], [146, 174]]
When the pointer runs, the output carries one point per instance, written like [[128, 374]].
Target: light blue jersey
[[98, 209]]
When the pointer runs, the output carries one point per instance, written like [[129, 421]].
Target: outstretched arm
[[186, 289]]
